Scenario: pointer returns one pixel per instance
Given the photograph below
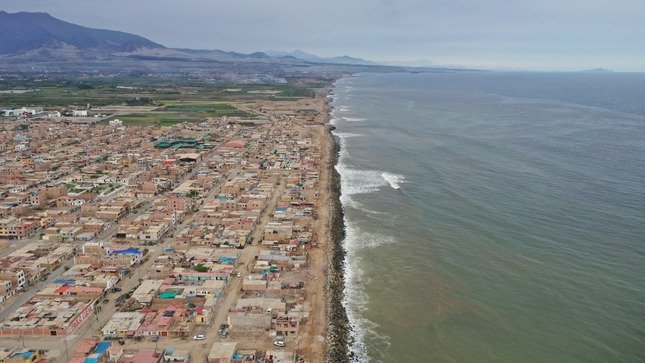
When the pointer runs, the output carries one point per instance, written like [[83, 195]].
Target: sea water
[[494, 217]]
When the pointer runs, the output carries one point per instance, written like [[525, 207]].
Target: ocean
[[493, 217]]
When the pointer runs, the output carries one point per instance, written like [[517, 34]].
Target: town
[[192, 242]]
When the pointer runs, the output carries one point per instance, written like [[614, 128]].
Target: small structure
[[222, 352], [80, 113]]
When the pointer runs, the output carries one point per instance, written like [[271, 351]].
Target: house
[[6, 289], [222, 352], [202, 316], [24, 356], [14, 228], [16, 276], [249, 322], [175, 355], [121, 323]]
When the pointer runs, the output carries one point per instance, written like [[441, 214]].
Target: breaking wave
[[347, 135], [356, 299], [393, 179], [355, 181]]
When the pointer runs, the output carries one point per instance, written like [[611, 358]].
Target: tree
[[201, 268]]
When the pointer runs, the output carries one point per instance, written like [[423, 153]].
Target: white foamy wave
[[354, 119], [334, 120], [354, 181], [358, 239], [343, 109], [350, 202], [347, 135], [356, 299], [393, 179]]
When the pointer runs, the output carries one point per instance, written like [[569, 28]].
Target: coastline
[[338, 327]]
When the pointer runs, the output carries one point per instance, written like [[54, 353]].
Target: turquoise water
[[494, 217]]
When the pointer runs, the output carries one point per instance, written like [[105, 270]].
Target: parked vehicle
[[221, 329], [199, 337], [279, 343]]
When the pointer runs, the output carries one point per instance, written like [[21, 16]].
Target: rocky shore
[[338, 329]]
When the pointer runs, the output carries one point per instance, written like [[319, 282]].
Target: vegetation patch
[[212, 109]]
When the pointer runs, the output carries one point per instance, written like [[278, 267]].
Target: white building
[[80, 113], [22, 112]]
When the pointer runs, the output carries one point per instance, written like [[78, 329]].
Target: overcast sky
[[498, 34]]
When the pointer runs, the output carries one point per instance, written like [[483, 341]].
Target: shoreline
[[338, 326]]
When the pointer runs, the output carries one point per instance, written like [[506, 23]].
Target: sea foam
[[355, 181], [356, 299], [394, 180]]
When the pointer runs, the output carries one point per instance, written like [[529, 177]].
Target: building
[[46, 318], [14, 228], [22, 356], [6, 290], [16, 276], [249, 322], [222, 352], [80, 113], [121, 323], [175, 355]]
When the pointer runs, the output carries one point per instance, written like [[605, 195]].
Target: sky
[[490, 34]]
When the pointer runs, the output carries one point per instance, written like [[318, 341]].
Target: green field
[[205, 107], [174, 112], [176, 100], [101, 91], [156, 119]]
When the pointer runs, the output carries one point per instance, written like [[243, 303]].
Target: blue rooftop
[[127, 251], [102, 347], [65, 281], [25, 355]]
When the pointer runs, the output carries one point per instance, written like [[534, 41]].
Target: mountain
[[34, 34], [299, 54], [598, 70], [38, 42]]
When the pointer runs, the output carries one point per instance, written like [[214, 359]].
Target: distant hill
[[299, 54], [39, 34], [598, 70], [38, 42]]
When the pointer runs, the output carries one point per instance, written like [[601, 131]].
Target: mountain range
[[34, 37]]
